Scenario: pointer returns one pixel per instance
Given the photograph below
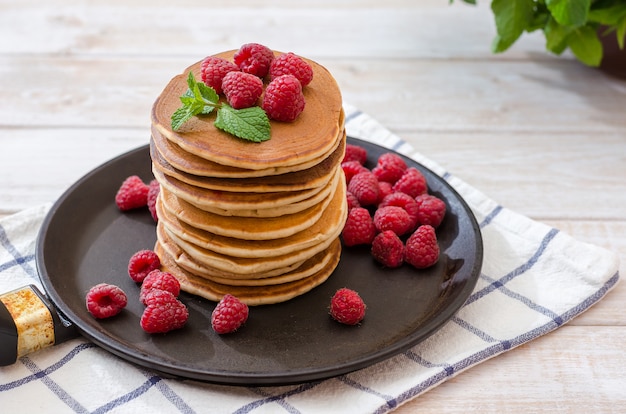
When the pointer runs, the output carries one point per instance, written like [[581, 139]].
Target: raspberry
[[153, 192], [364, 186], [229, 314], [133, 193], [384, 189], [104, 300], [283, 99], [352, 168], [242, 89], [164, 314], [352, 201], [412, 183], [158, 280], [392, 218], [142, 263], [254, 58], [347, 307], [158, 297], [421, 248], [388, 249], [359, 227], [213, 70], [291, 64], [430, 209], [389, 167], [405, 201], [355, 153]]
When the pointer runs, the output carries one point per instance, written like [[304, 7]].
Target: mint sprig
[[251, 124]]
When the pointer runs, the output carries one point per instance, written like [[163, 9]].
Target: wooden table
[[542, 135]]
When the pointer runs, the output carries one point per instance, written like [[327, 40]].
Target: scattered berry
[[392, 218], [254, 58], [359, 227], [104, 300], [291, 64], [347, 307], [158, 280], [133, 193], [242, 89], [389, 167], [165, 314], [364, 186], [352, 201], [142, 263], [283, 99], [352, 168], [421, 248], [153, 192], [430, 209], [405, 201], [157, 297], [388, 249], [412, 183], [213, 70], [355, 153], [229, 314]]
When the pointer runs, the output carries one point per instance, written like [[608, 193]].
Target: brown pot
[[613, 58]]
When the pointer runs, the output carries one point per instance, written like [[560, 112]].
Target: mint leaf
[[556, 36], [586, 46], [251, 123], [569, 12], [180, 116], [511, 18]]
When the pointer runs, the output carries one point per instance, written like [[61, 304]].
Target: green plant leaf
[[586, 46], [569, 12], [180, 116], [512, 18], [251, 123], [556, 36], [608, 16], [621, 32]]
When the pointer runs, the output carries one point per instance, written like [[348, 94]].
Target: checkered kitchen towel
[[534, 279]]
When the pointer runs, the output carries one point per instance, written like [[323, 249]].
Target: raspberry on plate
[[158, 280], [421, 249], [412, 182], [154, 188], [352, 201], [283, 99], [392, 218], [347, 307], [352, 168], [430, 209], [388, 249], [133, 193], [359, 227], [164, 315], [254, 58], [213, 69], [384, 189], [405, 201], [355, 153], [389, 167], [229, 314], [242, 90], [364, 186], [105, 300], [141, 263], [291, 64]]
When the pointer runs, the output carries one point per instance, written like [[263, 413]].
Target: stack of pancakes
[[260, 221]]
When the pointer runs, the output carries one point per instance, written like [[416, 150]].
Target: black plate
[[86, 240]]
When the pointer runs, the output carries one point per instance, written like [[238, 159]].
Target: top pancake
[[313, 134]]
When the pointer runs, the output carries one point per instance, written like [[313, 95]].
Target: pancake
[[313, 134], [333, 216], [249, 228], [251, 295], [310, 178], [203, 197], [192, 164]]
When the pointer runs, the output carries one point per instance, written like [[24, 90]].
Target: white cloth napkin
[[534, 279]]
